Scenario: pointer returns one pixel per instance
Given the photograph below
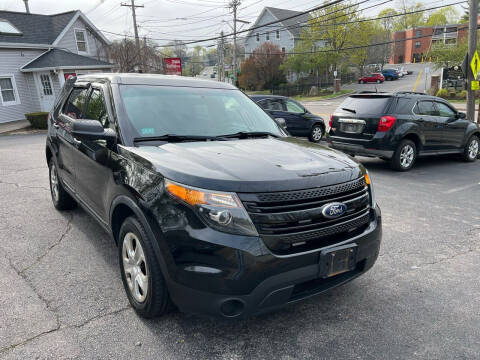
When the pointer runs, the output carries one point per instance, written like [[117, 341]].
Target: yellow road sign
[[475, 64], [475, 85]]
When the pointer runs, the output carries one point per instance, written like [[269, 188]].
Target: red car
[[375, 77]]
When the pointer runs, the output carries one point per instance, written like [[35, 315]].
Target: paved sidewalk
[[13, 125]]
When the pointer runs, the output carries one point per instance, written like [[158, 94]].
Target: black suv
[[401, 126], [213, 207], [298, 120]]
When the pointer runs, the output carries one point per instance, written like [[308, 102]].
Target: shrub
[[462, 94], [38, 120], [452, 94], [443, 93]]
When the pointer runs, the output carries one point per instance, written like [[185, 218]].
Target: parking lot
[[62, 296]]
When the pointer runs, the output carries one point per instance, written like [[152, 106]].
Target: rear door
[[426, 116], [294, 116], [358, 116], [276, 108], [453, 129]]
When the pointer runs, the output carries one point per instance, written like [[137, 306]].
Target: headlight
[[370, 188], [222, 211]]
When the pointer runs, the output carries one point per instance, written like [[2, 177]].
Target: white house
[[285, 33], [38, 52]]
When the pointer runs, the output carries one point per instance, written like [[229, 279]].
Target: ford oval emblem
[[334, 210]]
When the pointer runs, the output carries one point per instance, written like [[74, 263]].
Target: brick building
[[419, 41]]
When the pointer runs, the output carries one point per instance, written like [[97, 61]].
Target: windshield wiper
[[177, 138], [350, 110], [248, 134]]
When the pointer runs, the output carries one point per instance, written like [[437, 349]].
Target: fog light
[[222, 217]]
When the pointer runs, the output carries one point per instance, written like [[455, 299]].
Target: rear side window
[[365, 105], [404, 106], [272, 104], [425, 108], [76, 103]]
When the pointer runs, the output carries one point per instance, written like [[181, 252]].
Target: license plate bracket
[[337, 260]]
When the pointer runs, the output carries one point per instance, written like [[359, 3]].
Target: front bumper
[[264, 281]]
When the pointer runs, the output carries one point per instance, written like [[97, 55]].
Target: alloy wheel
[[54, 183], [473, 149], [135, 267], [406, 156], [317, 133]]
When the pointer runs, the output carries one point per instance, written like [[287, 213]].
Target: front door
[[45, 90], [294, 118], [426, 117], [454, 128]]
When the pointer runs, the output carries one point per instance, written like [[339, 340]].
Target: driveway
[[62, 297]]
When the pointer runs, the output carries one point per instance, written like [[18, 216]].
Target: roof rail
[[369, 92], [411, 92]]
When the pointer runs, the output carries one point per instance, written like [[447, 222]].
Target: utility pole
[[135, 28], [234, 4], [221, 56], [472, 47]]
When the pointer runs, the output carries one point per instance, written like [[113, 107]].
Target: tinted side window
[[445, 110], [404, 106], [293, 107], [96, 108], [76, 103], [272, 104], [426, 108]]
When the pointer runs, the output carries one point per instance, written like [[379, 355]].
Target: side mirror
[[282, 123], [461, 115], [91, 130]]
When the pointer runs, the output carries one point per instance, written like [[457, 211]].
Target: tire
[[471, 150], [362, 82], [138, 261], [378, 81], [405, 155], [60, 198], [316, 134]]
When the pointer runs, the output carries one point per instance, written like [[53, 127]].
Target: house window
[[8, 91], [417, 44], [258, 36], [277, 34], [419, 33], [46, 84], [81, 37], [6, 28], [268, 36]]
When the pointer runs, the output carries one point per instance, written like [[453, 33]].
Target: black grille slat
[[315, 234], [286, 219]]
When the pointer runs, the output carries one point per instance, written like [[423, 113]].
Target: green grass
[[322, 97], [258, 92]]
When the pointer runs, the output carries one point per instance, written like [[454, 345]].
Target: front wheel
[[141, 273], [378, 81], [404, 156], [470, 152], [362, 82], [316, 134]]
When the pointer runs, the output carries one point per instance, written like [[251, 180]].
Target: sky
[[177, 19]]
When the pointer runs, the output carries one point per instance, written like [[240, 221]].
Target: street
[[413, 82], [63, 297]]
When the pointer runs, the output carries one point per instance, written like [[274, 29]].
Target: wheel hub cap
[[317, 133], [54, 182], [135, 267], [406, 156], [473, 149]]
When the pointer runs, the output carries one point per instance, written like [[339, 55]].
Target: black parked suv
[[298, 120], [399, 127], [213, 207]]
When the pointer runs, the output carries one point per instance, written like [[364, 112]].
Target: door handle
[[76, 142]]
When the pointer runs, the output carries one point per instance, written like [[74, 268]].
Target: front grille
[[292, 221]]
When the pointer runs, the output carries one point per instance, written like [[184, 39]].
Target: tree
[[446, 15], [446, 55], [410, 21], [363, 35], [261, 70]]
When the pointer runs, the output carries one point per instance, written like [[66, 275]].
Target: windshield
[[160, 110]]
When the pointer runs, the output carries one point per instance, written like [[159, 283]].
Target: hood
[[250, 165]]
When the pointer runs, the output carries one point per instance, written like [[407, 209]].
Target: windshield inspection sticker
[[147, 131]]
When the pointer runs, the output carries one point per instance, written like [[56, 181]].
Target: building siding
[[286, 38], [94, 44], [11, 62]]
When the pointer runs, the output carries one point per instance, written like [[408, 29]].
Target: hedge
[[38, 120]]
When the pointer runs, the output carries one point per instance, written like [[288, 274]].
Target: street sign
[[475, 85], [173, 66], [335, 74], [475, 64]]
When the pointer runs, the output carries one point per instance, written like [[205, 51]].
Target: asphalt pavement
[[62, 297]]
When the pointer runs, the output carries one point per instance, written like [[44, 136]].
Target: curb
[[11, 126]]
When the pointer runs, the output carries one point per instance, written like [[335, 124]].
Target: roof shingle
[[61, 58]]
